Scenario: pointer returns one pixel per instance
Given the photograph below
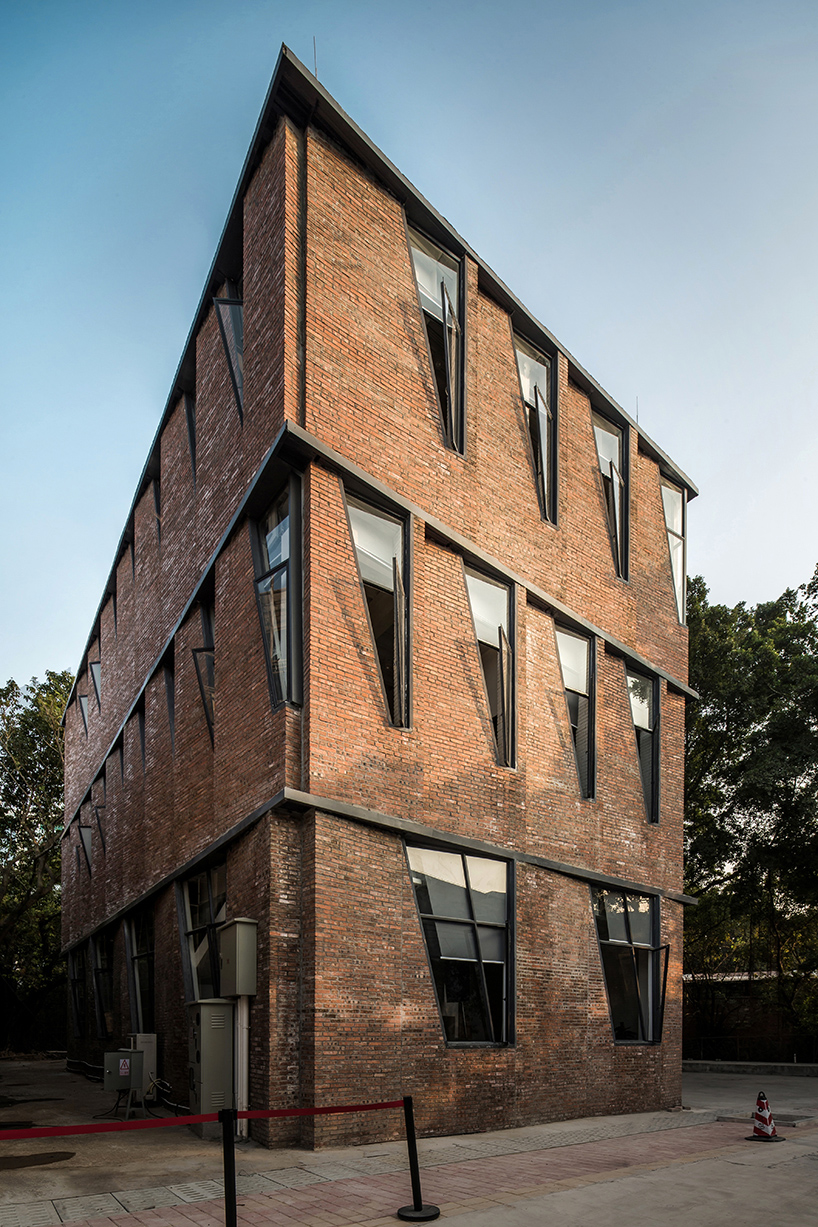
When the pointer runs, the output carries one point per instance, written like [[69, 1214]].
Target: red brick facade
[[309, 802]]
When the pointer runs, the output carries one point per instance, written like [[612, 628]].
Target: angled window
[[490, 603], [674, 503], [170, 694], [140, 725], [576, 661], [157, 507], [438, 281], [381, 553], [82, 699], [86, 845], [95, 669], [190, 418], [609, 446], [277, 552], [633, 962], [230, 314], [102, 950], [643, 693], [139, 933], [463, 903], [98, 809], [204, 658], [205, 901], [535, 384], [77, 972]]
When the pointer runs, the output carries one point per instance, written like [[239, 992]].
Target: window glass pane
[[620, 980], [608, 444], [488, 888], [534, 369], [378, 539], [198, 901], [439, 881], [489, 607], [273, 597], [609, 906], [431, 267], [640, 691], [673, 501], [492, 944], [677, 562], [573, 653], [639, 914], [459, 993], [455, 941], [275, 533], [218, 888]]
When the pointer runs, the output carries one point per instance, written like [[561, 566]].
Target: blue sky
[[643, 175]]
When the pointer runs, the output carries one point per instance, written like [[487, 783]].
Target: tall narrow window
[[575, 663], [273, 590], [82, 699], [95, 669], [674, 503], [535, 383], [86, 834], [490, 607], [170, 694], [464, 912], [380, 550], [204, 659], [190, 418], [230, 314], [102, 947], [438, 282], [609, 450], [205, 897], [140, 726], [157, 507], [634, 964], [644, 697], [77, 972], [140, 933]]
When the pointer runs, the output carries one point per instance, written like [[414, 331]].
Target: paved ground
[[683, 1166]]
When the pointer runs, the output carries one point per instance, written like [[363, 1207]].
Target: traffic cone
[[763, 1124]]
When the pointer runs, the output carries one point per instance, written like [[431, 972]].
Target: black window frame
[[542, 411], [207, 931], [204, 660], [679, 590], [648, 742], [618, 526], [508, 927], [399, 709], [505, 700], [292, 693], [102, 957], [78, 984], [140, 951], [95, 672], [451, 400], [587, 786], [229, 310], [651, 1016]]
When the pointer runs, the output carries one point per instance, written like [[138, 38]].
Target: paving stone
[[256, 1183], [198, 1190], [98, 1205], [29, 1214], [332, 1171], [147, 1199], [293, 1177]]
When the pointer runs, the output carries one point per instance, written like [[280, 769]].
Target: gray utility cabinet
[[237, 957], [210, 1064]]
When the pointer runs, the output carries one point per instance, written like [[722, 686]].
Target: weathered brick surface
[[334, 342]]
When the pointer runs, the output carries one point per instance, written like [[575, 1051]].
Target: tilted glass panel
[[640, 917], [535, 370], [272, 593], [574, 655], [608, 444], [640, 692], [455, 941], [609, 907], [218, 892], [440, 882], [230, 314], [275, 534], [95, 668], [489, 607], [378, 539], [459, 991], [673, 503], [487, 879], [623, 992], [433, 266]]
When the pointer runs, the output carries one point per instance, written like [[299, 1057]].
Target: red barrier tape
[[118, 1126]]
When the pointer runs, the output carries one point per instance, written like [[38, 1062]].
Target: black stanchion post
[[227, 1119], [417, 1212]]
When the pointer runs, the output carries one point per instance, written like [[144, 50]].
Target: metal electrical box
[[123, 1070], [210, 1064], [237, 957], [145, 1042]]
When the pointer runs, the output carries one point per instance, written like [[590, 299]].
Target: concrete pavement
[[621, 1169]]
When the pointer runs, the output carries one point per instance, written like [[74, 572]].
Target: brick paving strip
[[337, 1200]]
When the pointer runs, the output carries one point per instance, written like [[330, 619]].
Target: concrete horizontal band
[[290, 799]]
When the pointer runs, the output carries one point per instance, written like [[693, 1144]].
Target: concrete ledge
[[750, 1067]]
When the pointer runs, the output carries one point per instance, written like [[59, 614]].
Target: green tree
[[31, 819], [751, 808]]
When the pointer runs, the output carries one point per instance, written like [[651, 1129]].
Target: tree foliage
[[31, 820], [751, 807]]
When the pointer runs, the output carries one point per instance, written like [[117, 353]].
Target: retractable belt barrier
[[227, 1117]]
